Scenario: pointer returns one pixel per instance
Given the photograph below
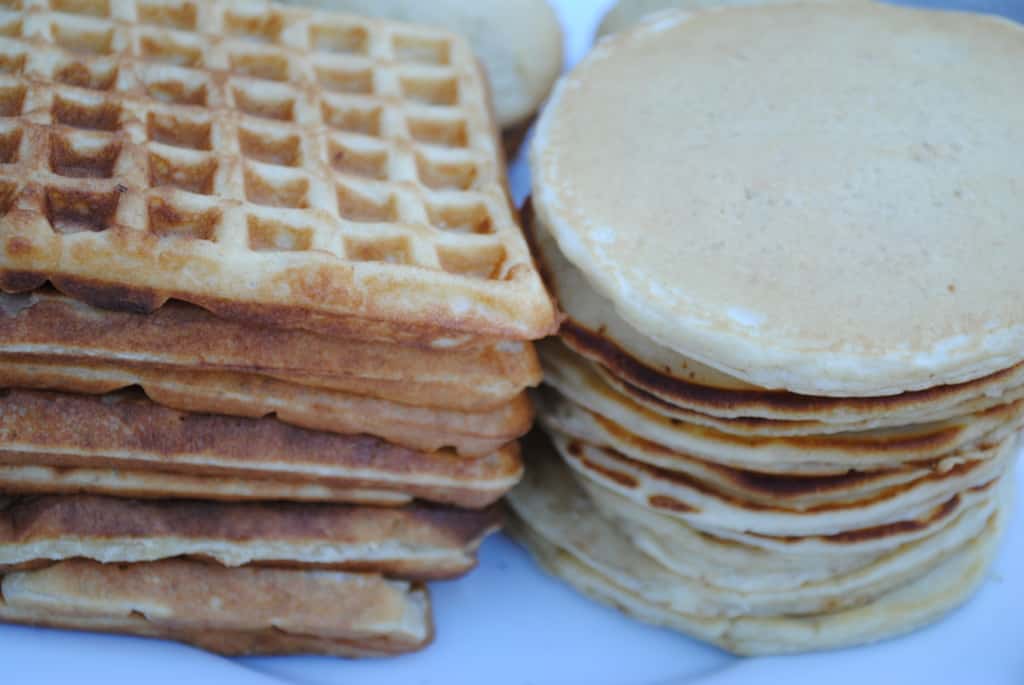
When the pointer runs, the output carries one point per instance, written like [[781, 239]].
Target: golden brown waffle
[[298, 168], [228, 610], [36, 478], [180, 336], [416, 543], [420, 428], [126, 431]]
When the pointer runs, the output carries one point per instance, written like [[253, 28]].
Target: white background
[[508, 624]]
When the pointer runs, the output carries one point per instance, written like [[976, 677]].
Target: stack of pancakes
[[265, 335], [789, 388]]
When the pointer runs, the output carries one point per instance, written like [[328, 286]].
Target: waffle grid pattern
[[258, 129]]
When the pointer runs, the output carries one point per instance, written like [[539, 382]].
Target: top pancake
[[677, 386], [841, 219]]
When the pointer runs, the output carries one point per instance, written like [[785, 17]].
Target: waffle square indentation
[[166, 50], [8, 194], [341, 38], [269, 67], [446, 175], [276, 189], [393, 250], [351, 118], [264, 105], [82, 39], [369, 163], [431, 90], [192, 173], [93, 8], [83, 159], [12, 99], [445, 133], [10, 144], [483, 262], [182, 16], [174, 220], [179, 131], [12, 63], [461, 218], [98, 115], [421, 50], [92, 75], [356, 206], [357, 81], [72, 210], [259, 146], [266, 235], [259, 28]]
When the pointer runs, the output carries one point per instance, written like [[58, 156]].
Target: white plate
[[509, 624]]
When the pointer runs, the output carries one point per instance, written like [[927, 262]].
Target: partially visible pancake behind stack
[[789, 388], [265, 336]]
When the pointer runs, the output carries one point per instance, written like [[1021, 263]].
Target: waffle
[[182, 336], [417, 543], [470, 434], [232, 611], [127, 431], [33, 478], [296, 168]]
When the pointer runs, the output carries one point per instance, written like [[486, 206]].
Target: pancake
[[791, 492], [471, 434], [125, 430], [417, 543], [912, 606], [560, 512], [627, 13], [183, 337], [678, 387], [769, 427], [701, 504], [763, 216], [830, 453], [746, 564], [235, 611]]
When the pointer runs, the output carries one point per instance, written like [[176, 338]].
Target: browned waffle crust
[[278, 164]]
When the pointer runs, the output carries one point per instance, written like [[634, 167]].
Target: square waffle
[[295, 168]]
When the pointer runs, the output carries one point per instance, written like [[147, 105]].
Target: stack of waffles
[[787, 396], [266, 327]]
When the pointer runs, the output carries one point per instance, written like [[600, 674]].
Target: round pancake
[[907, 608], [627, 13], [797, 492], [701, 505], [558, 511], [751, 568], [679, 387], [764, 215], [575, 380]]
